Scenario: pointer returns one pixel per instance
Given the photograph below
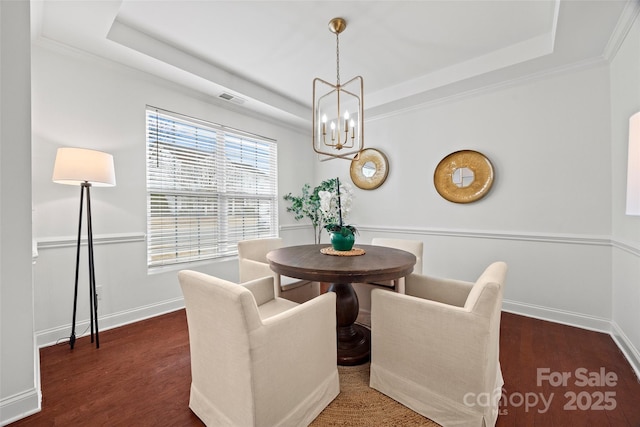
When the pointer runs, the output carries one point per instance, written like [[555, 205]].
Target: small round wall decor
[[463, 176], [369, 169]]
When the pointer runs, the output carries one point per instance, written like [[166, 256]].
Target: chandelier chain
[[338, 59]]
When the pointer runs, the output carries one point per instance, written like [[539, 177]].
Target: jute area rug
[[359, 405]]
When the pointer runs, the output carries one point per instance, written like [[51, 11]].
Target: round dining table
[[318, 263]]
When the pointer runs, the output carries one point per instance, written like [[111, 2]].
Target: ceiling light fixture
[[338, 127]]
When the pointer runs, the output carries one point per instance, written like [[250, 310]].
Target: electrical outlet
[[99, 292]]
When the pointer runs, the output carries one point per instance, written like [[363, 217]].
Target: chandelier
[[338, 110]]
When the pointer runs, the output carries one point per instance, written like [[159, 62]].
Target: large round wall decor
[[369, 169], [463, 176]]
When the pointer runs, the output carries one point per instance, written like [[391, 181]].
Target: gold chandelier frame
[[342, 132]]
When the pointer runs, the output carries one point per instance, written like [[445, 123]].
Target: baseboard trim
[[569, 318], [61, 334], [626, 346], [18, 406]]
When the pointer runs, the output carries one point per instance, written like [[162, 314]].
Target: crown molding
[[492, 87], [57, 47], [626, 21]]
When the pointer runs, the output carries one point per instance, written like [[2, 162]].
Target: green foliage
[[307, 205]]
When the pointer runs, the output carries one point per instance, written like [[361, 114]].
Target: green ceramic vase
[[342, 243]]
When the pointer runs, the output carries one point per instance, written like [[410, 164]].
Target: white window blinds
[[208, 187]]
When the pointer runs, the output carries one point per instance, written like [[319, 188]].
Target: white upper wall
[[548, 213], [18, 355], [83, 101], [625, 101], [548, 140], [557, 144]]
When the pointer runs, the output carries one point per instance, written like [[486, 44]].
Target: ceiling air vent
[[231, 98]]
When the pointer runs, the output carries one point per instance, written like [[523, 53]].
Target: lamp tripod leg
[[93, 297], [72, 338]]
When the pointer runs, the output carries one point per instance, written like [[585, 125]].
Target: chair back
[[486, 294], [416, 247], [440, 367], [220, 318], [485, 300], [257, 249]]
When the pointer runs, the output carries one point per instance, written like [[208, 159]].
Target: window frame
[[208, 186]]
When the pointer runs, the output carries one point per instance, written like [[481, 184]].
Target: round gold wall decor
[[369, 169], [463, 176]]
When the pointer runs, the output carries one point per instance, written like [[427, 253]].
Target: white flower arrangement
[[335, 207], [320, 205]]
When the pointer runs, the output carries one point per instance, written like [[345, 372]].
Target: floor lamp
[[86, 168]]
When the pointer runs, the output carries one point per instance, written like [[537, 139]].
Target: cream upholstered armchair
[[258, 360], [253, 264], [416, 247], [363, 290], [436, 348]]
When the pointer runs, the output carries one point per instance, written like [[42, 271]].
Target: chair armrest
[[288, 283], [295, 351], [315, 319], [442, 338], [446, 291], [304, 332], [250, 270], [262, 289]]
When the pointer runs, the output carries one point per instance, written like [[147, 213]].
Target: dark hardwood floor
[[583, 376], [141, 375]]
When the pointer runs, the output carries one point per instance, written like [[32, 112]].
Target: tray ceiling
[[265, 54]]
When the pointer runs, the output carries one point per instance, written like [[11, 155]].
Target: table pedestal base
[[355, 348], [354, 341]]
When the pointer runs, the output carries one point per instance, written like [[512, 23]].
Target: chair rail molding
[[524, 236], [630, 247], [98, 239], [583, 239]]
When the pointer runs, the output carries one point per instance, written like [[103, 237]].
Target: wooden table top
[[308, 263]]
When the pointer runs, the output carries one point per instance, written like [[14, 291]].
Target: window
[[208, 187]]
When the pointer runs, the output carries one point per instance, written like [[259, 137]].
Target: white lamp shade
[[633, 167], [74, 166]]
